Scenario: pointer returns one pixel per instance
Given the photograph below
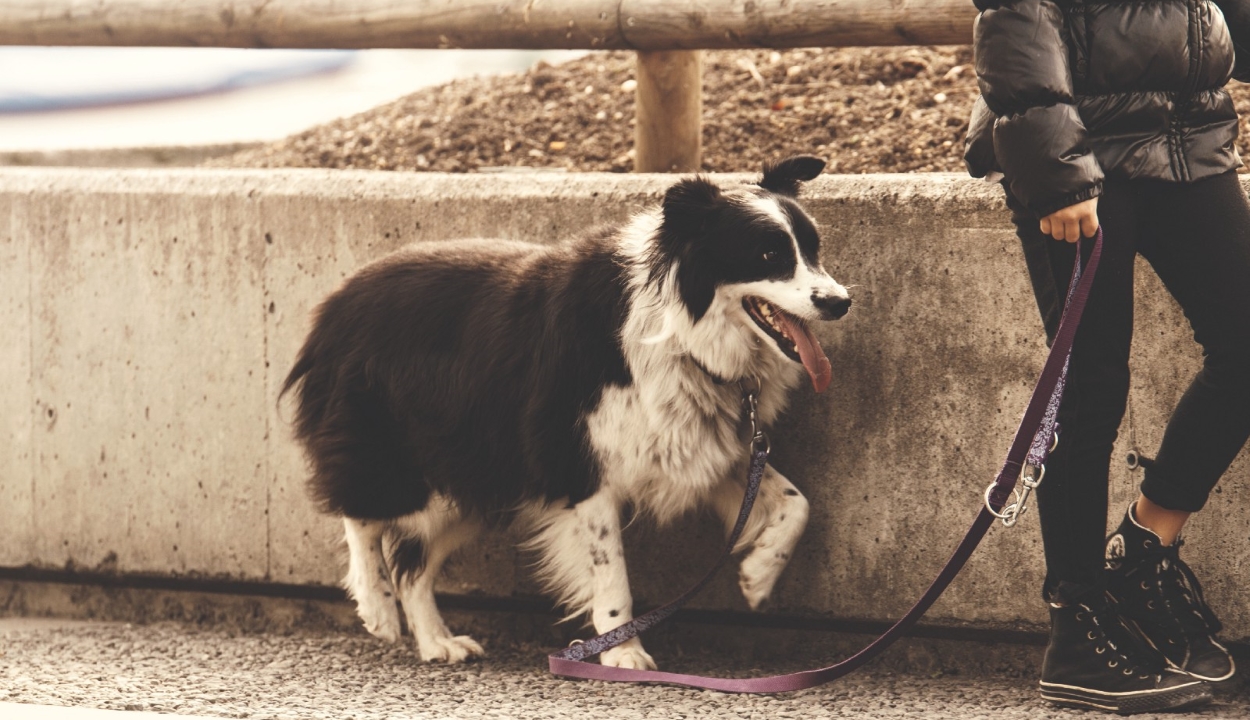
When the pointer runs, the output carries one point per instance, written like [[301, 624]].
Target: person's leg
[[1091, 659], [1164, 522], [1072, 500], [1199, 244], [1197, 237]]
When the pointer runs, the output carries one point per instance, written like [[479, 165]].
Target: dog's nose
[[831, 307]]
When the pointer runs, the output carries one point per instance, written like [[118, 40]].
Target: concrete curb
[[154, 312], [135, 157]]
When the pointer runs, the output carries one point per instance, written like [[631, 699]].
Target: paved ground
[[180, 669], [22, 711]]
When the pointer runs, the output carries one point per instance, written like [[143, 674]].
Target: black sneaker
[[1158, 594], [1093, 662]]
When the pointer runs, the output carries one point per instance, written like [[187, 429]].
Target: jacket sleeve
[[1039, 139], [1237, 16]]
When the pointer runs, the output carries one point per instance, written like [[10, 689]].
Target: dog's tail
[[303, 364], [311, 397]]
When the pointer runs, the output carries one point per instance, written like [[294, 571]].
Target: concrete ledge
[[133, 157], [152, 313]]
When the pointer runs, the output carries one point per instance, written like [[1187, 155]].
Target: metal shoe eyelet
[[1150, 604], [1147, 543], [1113, 663], [1090, 635], [1080, 617], [1100, 650], [1128, 671], [1144, 585]]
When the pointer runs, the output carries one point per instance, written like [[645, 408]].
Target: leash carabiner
[[750, 399], [1031, 477]]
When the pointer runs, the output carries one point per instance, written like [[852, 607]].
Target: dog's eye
[[770, 256]]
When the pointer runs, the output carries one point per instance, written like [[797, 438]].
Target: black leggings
[[1196, 236]]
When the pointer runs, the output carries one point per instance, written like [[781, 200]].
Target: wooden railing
[[667, 35]]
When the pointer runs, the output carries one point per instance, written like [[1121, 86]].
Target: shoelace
[[1183, 593], [1129, 662]]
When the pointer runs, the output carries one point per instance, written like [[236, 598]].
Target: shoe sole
[[1175, 698]]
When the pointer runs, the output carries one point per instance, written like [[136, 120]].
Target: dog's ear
[[688, 204], [783, 177], [689, 207]]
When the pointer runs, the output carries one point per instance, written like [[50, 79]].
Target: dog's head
[[754, 253]]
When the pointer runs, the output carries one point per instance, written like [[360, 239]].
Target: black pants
[[1196, 236]]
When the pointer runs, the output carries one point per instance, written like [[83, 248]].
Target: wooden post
[[668, 136]]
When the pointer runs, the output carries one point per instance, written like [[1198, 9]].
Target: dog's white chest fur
[[678, 430], [664, 448]]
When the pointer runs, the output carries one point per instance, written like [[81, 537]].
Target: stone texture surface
[[932, 369], [17, 499], [148, 354], [215, 672]]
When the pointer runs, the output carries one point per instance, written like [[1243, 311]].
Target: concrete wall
[[149, 317]]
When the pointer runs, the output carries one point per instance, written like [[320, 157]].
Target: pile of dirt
[[864, 109]]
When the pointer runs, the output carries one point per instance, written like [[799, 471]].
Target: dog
[[455, 385]]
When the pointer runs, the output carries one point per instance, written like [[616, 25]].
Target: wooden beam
[[521, 24], [712, 24], [668, 136]]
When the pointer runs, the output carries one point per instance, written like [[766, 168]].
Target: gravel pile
[[867, 110], [864, 109], [180, 669]]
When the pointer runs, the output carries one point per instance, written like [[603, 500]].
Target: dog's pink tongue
[[810, 352]]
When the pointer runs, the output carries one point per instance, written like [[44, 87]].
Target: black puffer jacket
[[1073, 90]]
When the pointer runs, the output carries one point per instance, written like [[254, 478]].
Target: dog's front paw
[[758, 574], [381, 619], [628, 655], [449, 649]]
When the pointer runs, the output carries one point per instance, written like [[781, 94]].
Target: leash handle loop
[[1038, 422]]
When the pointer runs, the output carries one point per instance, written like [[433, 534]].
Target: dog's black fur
[[396, 400]]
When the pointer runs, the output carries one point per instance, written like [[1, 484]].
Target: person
[[1114, 114]]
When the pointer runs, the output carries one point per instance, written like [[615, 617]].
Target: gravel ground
[[174, 668]]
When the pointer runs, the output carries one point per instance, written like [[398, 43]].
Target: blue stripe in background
[[39, 79]]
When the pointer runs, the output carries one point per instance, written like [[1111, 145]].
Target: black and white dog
[[454, 385]]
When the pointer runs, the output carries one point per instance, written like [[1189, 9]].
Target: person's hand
[[1073, 221]]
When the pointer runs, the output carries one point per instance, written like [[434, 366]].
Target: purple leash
[[1034, 439]]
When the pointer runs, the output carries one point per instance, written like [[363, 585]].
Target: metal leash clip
[[751, 399], [1031, 477]]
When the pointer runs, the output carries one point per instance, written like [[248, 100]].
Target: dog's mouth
[[793, 338]]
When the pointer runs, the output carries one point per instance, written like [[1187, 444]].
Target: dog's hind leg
[[584, 565], [367, 580], [776, 522], [421, 543]]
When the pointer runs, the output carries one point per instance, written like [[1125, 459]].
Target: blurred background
[[163, 106]]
